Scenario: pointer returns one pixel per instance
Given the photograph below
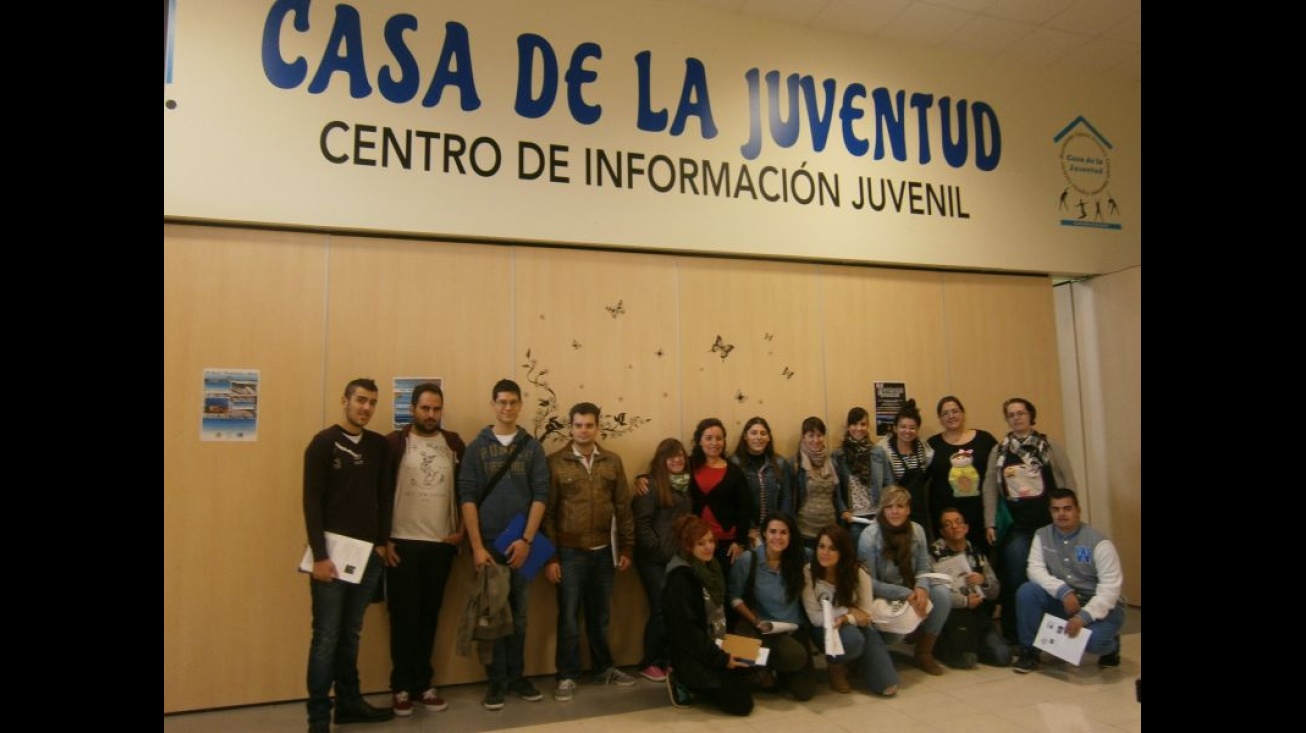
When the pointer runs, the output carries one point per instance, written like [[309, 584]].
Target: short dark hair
[[1060, 493], [583, 408], [949, 510], [425, 387], [1029, 406], [856, 415], [505, 385], [813, 423], [365, 382]]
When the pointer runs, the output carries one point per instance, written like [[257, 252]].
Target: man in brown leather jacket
[[588, 493]]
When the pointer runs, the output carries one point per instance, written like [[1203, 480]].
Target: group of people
[[794, 552]]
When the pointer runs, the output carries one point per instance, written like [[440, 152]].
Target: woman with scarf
[[770, 479], [909, 462], [694, 601], [818, 487], [961, 458], [896, 552], [1021, 472], [863, 467], [656, 543]]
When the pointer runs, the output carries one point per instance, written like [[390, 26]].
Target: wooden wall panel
[[235, 612], [768, 318], [1001, 341], [883, 326], [416, 309]]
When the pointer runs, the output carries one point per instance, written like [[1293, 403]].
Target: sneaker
[[565, 690], [432, 701], [525, 690], [493, 697], [403, 705], [1028, 661], [680, 696], [653, 673], [614, 676], [1109, 660]]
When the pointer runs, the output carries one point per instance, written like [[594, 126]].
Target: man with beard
[[424, 537]]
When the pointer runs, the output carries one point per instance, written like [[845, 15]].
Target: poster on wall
[[230, 405], [403, 406], [889, 398]]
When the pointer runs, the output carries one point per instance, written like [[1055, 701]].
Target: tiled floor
[[1057, 697]]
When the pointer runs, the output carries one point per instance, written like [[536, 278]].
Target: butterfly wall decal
[[722, 348]]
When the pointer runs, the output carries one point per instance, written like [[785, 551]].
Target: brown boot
[[838, 677], [925, 653]]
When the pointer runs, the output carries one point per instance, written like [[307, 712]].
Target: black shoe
[[493, 697], [359, 711], [1109, 660], [322, 726], [680, 696], [525, 690], [1028, 661]]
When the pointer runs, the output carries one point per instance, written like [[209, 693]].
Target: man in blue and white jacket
[[1074, 574]]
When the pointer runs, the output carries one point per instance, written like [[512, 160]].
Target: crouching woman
[[694, 602], [834, 575]]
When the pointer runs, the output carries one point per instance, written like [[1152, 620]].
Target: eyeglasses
[[953, 523], [1017, 413], [507, 403], [951, 413]]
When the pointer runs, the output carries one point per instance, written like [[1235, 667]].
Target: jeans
[[414, 593], [587, 578], [656, 649], [1013, 558], [1032, 602], [864, 646], [509, 656], [338, 609]]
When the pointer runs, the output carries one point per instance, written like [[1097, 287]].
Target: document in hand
[[956, 567], [1052, 639], [777, 627], [541, 547], [745, 649], [349, 555]]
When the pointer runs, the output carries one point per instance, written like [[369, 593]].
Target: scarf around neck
[[814, 462], [710, 575], [897, 546], [679, 482], [858, 453]]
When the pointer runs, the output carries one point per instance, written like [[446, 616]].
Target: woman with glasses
[[961, 458], [1022, 470]]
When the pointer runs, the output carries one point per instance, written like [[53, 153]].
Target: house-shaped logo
[[1085, 156]]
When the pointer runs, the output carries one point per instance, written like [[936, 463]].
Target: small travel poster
[[230, 405], [403, 406]]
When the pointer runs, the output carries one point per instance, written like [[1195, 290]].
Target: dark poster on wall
[[889, 398]]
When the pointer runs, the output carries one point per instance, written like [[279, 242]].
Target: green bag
[[1003, 521]]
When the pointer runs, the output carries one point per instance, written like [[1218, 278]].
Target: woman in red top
[[719, 490]]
